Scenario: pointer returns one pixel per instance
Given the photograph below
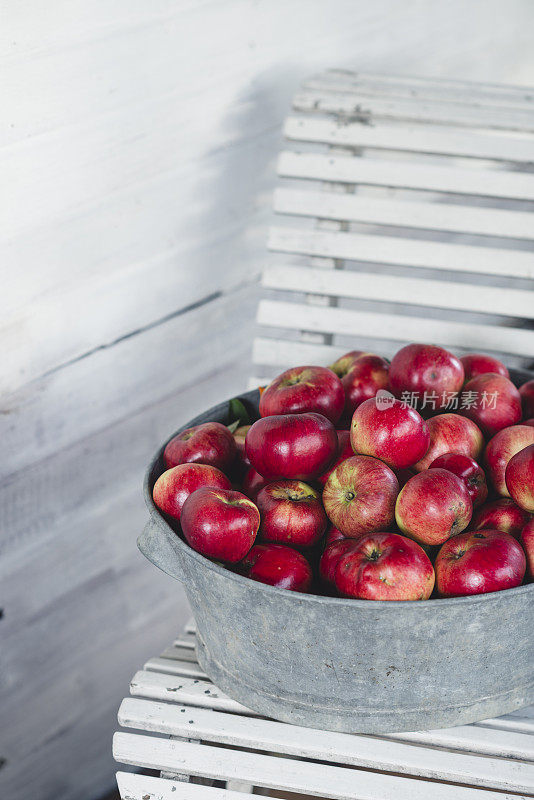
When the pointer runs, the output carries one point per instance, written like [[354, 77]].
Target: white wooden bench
[[407, 215], [205, 736]]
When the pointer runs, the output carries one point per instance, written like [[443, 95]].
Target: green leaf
[[237, 411], [234, 426]]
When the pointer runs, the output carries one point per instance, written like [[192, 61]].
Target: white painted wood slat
[[511, 722], [187, 640], [144, 787], [410, 138], [492, 94], [359, 751], [180, 654], [475, 739], [339, 783], [276, 352], [395, 250], [404, 213], [415, 291], [186, 669], [399, 328], [352, 102], [407, 175], [159, 686]]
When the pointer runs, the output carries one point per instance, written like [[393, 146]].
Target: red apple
[[451, 433], [241, 462], [528, 422], [291, 513], [520, 478], [359, 496], [492, 401], [503, 515], [478, 363], [302, 389], [344, 451], [346, 362], [501, 448], [467, 470], [526, 392], [209, 443], [298, 446], [384, 566], [368, 374], [279, 565], [432, 506], [429, 375], [252, 483], [220, 523], [239, 439], [390, 430], [527, 540], [331, 555], [479, 562], [174, 486], [332, 535]]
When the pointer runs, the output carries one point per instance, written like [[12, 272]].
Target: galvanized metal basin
[[350, 665]]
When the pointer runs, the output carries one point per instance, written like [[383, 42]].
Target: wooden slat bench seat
[[177, 722]]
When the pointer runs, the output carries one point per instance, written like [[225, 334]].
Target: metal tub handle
[[158, 547]]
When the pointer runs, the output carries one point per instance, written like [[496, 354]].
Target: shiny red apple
[[451, 433], [174, 486], [291, 513], [527, 541], [332, 534], [344, 363], [526, 392], [478, 363], [477, 562], [468, 470], [433, 506], [499, 451], [252, 483], [429, 375], [297, 446], [384, 566], [220, 523], [280, 566], [390, 430], [331, 555], [492, 401], [209, 443], [303, 389], [344, 451], [239, 439], [368, 374], [360, 495], [520, 478], [503, 515]]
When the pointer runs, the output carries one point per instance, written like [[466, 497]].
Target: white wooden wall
[[137, 151]]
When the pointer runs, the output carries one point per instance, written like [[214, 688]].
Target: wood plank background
[[137, 151]]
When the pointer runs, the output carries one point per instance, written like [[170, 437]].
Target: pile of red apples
[[350, 484]]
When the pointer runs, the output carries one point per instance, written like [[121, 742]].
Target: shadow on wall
[[234, 196]]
